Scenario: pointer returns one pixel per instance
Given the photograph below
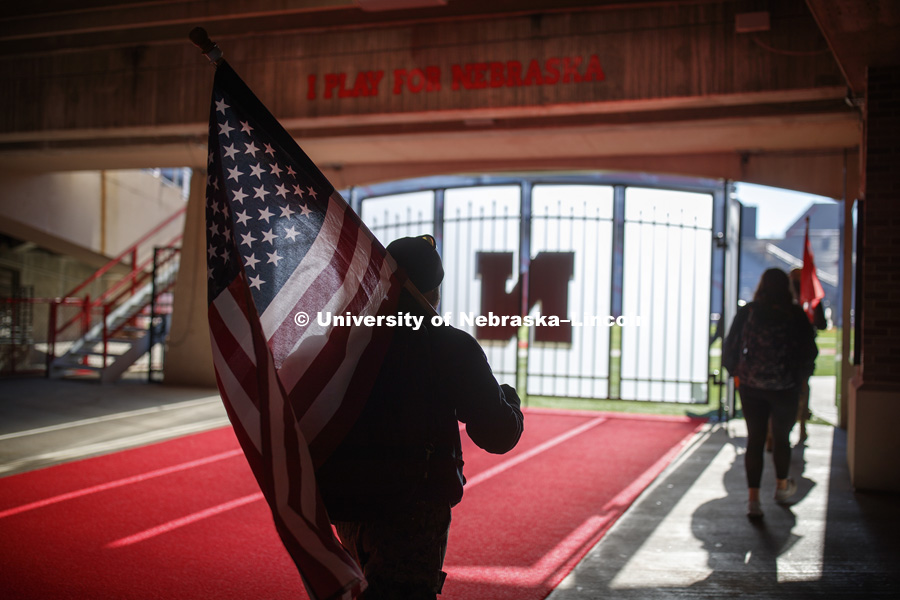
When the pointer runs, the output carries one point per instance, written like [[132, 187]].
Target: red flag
[[282, 247], [811, 292]]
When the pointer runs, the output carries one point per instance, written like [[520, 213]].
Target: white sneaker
[[782, 496]]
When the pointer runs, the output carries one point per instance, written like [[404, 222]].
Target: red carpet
[[184, 518]]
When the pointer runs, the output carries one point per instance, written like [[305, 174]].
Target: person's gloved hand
[[510, 394]]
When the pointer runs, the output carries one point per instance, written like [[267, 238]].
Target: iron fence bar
[[526, 199], [104, 315], [694, 312], [465, 261], [51, 335], [438, 220], [152, 327], [617, 287]]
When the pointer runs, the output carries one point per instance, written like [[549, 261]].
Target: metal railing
[[76, 313], [137, 276]]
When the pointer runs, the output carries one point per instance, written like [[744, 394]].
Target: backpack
[[768, 349]]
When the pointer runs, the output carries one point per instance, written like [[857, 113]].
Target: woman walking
[[770, 350]]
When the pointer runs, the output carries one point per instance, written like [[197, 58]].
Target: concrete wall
[[189, 352], [91, 215]]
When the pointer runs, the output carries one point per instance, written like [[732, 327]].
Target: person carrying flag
[[389, 487]]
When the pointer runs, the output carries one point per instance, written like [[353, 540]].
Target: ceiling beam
[[860, 34]]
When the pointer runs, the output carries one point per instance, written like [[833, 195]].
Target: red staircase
[[103, 336]]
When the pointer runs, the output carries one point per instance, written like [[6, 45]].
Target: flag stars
[[230, 151], [275, 169], [209, 272], [291, 233], [257, 170], [265, 215], [221, 106], [247, 238], [234, 173], [214, 230], [250, 261], [282, 192], [256, 282], [269, 237], [273, 258], [245, 127], [212, 252], [269, 149], [251, 149], [304, 211], [291, 171], [225, 129], [261, 193], [312, 192], [239, 195], [286, 212], [298, 191], [242, 217]]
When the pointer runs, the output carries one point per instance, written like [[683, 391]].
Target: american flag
[[282, 246]]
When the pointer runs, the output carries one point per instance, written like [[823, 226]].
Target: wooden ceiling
[[745, 137]]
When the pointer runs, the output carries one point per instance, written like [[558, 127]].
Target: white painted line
[[102, 487], [508, 464], [184, 521], [116, 444]]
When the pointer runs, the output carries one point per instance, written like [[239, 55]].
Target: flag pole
[[208, 47]]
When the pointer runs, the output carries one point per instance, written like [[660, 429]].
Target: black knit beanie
[[418, 256]]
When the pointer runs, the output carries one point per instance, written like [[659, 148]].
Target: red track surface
[[184, 518]]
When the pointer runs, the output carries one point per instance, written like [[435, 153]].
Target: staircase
[[117, 341], [108, 335]]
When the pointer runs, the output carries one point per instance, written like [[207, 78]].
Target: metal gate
[[623, 263]]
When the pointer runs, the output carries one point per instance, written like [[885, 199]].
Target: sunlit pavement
[[688, 535]]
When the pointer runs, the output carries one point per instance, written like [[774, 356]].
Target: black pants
[[759, 406], [401, 554]]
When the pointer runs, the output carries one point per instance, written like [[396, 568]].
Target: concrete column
[[189, 354], [874, 411]]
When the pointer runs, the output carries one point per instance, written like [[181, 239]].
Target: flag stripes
[[281, 242]]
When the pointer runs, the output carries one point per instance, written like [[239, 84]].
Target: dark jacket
[[406, 446]]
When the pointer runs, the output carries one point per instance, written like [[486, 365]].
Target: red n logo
[[548, 284]]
